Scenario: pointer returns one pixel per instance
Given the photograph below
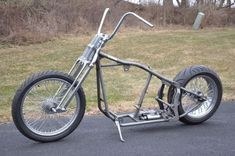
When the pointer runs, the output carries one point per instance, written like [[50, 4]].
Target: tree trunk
[[229, 3], [168, 3], [168, 11], [178, 2], [221, 3], [184, 3]]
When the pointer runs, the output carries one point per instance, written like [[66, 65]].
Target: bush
[[32, 21]]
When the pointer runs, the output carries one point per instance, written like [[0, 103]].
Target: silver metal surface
[[92, 54], [37, 106], [142, 95], [122, 19], [74, 87], [120, 22], [142, 122], [119, 130], [205, 86], [176, 103], [102, 20]]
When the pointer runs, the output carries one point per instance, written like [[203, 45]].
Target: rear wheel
[[32, 108], [202, 81]]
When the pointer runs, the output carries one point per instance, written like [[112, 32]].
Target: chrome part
[[81, 68], [205, 87], [102, 20], [150, 116], [48, 104], [120, 22], [74, 87], [94, 58], [38, 108], [122, 19]]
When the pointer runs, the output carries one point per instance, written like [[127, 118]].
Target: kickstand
[[119, 130]]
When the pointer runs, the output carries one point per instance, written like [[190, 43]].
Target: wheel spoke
[[37, 104], [200, 85]]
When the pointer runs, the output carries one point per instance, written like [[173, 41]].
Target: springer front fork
[[79, 72]]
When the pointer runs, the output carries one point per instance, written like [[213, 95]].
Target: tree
[[221, 3], [182, 3], [168, 11]]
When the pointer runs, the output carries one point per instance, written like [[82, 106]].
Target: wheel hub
[[48, 105]]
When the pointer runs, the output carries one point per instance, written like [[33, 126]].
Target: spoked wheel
[[202, 81], [34, 104]]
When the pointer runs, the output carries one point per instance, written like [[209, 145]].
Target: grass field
[[166, 51]]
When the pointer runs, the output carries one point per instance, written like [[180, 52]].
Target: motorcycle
[[50, 105]]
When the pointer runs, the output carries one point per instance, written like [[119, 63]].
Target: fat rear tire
[[183, 78]]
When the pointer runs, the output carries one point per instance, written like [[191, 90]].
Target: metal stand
[[119, 130]]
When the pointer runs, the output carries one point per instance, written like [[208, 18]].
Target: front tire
[[200, 80], [32, 103]]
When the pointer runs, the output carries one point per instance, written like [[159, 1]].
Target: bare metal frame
[[93, 55]]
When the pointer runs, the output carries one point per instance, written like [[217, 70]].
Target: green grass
[[166, 51]]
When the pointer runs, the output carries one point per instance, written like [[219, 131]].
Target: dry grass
[[34, 21], [166, 51]]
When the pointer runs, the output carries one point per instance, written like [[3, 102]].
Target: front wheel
[[33, 102], [202, 81]]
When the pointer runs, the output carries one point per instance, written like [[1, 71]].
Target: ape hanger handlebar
[[120, 22]]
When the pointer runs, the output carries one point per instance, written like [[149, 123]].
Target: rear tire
[[31, 107], [198, 79]]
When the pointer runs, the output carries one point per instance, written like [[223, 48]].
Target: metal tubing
[[110, 115], [140, 101], [176, 103], [77, 87], [98, 86], [192, 109], [142, 122], [68, 96], [101, 88], [111, 65], [122, 19], [73, 67], [198, 96], [102, 20], [160, 96], [119, 130], [141, 66], [163, 102], [70, 88]]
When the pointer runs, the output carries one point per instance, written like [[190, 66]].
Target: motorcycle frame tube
[[101, 94]]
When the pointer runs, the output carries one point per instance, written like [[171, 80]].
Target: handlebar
[[120, 22], [102, 20]]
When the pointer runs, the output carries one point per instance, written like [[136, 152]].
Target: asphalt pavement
[[98, 136]]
